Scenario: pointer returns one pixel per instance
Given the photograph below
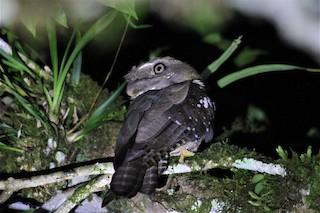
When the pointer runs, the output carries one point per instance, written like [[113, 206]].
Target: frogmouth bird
[[170, 114]]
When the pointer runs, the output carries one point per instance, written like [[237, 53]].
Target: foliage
[[304, 168], [60, 73], [268, 193], [246, 72], [239, 190], [8, 133], [45, 98]]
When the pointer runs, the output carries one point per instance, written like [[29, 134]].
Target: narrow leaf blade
[[124, 6], [244, 73], [217, 63]]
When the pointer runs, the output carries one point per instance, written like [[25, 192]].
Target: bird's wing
[[156, 126], [144, 120], [168, 122], [128, 131], [157, 120]]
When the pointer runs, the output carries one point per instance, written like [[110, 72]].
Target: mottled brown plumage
[[169, 108]]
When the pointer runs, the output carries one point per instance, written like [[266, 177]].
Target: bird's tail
[[108, 198], [126, 181]]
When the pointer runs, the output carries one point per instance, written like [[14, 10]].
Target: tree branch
[[11, 184], [104, 171]]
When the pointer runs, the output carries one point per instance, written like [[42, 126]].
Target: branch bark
[[103, 172]]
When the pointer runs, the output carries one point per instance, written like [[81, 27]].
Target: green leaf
[[61, 74], [49, 99], [124, 6], [244, 73], [256, 114], [52, 37], [213, 38], [76, 71], [247, 56], [9, 129], [259, 187], [66, 52], [15, 66], [100, 25], [12, 37], [69, 119], [134, 26], [61, 18], [25, 102], [282, 153], [100, 113], [309, 151], [31, 24], [255, 203], [254, 195], [4, 146], [30, 109], [217, 63], [16, 63], [77, 65], [257, 178]]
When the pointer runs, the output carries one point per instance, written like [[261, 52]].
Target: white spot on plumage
[[206, 102], [200, 83]]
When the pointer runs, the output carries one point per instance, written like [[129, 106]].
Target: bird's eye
[[159, 68]]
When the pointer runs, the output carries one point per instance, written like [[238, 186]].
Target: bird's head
[[158, 74]]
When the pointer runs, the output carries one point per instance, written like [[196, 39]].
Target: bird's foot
[[184, 153]]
